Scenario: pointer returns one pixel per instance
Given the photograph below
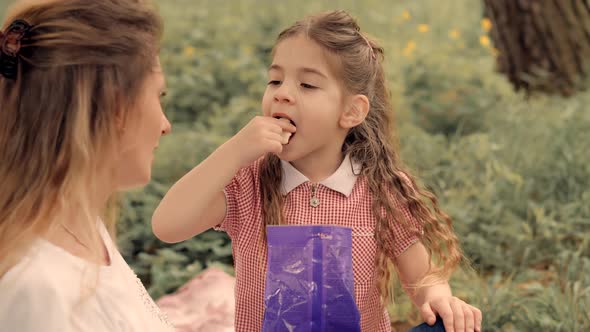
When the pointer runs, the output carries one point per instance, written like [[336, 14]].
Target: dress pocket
[[363, 254]]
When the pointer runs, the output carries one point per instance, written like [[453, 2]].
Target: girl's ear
[[356, 111]]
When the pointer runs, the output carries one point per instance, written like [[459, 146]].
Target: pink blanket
[[204, 304]]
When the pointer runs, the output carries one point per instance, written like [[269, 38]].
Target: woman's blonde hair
[[373, 145], [80, 69]]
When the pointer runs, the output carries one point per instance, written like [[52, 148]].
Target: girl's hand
[[260, 136], [457, 315]]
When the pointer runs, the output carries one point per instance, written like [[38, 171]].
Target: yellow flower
[[189, 51], [449, 96], [423, 28], [486, 24], [484, 40], [406, 15], [247, 50], [409, 49], [495, 52], [455, 34]]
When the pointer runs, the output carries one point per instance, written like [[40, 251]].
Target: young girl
[[80, 117], [323, 153]]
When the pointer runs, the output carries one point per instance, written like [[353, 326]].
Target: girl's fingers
[[469, 318], [477, 316], [446, 313], [275, 146], [427, 314], [458, 315]]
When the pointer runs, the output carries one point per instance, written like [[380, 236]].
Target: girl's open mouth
[[287, 136]]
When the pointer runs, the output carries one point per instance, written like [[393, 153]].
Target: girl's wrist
[[435, 291], [228, 155]]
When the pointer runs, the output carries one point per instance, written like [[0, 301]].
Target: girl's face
[[142, 130], [303, 88]]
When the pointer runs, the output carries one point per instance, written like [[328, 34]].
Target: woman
[[80, 118]]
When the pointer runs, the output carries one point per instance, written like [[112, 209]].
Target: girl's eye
[[274, 82], [308, 86], [163, 99]]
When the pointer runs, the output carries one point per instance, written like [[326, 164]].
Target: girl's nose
[[283, 94], [166, 126]]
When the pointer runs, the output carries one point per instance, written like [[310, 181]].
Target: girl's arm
[[458, 316], [412, 265], [196, 202]]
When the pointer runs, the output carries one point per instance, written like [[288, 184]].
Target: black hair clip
[[10, 45]]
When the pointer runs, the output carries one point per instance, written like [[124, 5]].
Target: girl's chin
[[287, 154]]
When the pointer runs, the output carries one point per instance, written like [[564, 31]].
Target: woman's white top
[[43, 293]]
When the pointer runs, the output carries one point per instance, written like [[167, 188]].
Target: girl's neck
[[317, 167]]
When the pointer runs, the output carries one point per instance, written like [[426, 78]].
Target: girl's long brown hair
[[373, 145], [80, 69]]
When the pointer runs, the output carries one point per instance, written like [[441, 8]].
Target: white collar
[[342, 181]]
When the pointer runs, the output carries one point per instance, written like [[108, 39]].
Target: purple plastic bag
[[309, 281]]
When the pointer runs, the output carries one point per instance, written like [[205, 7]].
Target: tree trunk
[[543, 45]]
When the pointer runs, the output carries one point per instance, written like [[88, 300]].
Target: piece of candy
[[286, 135]]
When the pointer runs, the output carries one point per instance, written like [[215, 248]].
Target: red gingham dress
[[344, 200]]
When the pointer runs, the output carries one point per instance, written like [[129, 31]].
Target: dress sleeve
[[404, 236], [240, 198], [30, 304]]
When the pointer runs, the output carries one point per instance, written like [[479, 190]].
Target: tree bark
[[543, 45]]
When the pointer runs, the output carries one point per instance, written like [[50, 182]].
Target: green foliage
[[448, 104], [163, 268]]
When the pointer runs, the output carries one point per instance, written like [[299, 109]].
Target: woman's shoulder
[[35, 296], [32, 285], [27, 282], [42, 273]]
